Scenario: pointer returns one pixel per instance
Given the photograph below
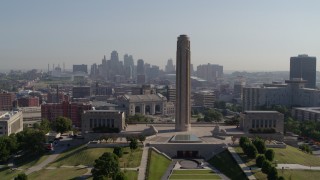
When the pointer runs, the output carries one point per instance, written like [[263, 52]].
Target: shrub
[[269, 154], [260, 145], [260, 160], [118, 151], [273, 174], [281, 178], [251, 151], [243, 140], [266, 167], [306, 148]]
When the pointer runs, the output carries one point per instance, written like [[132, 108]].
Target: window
[[265, 123], [274, 123], [258, 123], [95, 123], [90, 123], [253, 123]]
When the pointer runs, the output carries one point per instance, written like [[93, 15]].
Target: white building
[[10, 122]]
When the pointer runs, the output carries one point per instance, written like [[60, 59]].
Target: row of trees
[[256, 148], [60, 125]]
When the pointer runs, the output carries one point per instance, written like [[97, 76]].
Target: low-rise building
[[143, 104], [258, 121], [306, 113], [31, 115], [10, 122], [102, 119], [204, 99]]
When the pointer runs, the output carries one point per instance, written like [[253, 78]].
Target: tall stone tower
[[183, 84]]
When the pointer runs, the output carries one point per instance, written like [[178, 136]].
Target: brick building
[[67, 109], [28, 101], [6, 101]]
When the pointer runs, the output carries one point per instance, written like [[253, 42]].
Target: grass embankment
[[158, 165], [289, 155], [225, 163], [59, 173], [86, 156], [194, 174]]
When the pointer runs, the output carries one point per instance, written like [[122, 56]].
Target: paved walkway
[[143, 164], [242, 165], [50, 159], [298, 166]]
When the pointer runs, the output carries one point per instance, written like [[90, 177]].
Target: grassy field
[[194, 174], [26, 162], [59, 173], [158, 166], [6, 173], [86, 156], [289, 155], [225, 163], [131, 175], [292, 174]]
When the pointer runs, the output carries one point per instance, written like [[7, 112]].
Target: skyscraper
[[304, 66], [183, 84]]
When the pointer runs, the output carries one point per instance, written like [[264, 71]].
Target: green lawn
[[131, 175], [59, 173], [289, 155], [157, 166], [86, 156], [225, 163], [194, 174], [292, 174], [27, 161], [6, 173]]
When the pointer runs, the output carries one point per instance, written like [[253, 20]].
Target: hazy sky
[[240, 35]]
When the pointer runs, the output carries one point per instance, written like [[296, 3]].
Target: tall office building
[[304, 66], [183, 85], [170, 67]]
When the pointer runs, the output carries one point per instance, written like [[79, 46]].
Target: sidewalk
[[143, 164], [297, 166], [242, 165]]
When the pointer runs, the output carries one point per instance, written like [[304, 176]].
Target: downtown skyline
[[246, 35]]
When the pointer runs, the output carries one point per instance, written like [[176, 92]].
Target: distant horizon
[[253, 35]]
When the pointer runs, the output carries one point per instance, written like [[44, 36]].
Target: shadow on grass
[[225, 163], [71, 152]]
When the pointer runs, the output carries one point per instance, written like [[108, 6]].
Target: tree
[[233, 139], [118, 151], [120, 176], [260, 160], [269, 155], [133, 144], [251, 151], [4, 150], [142, 138], [260, 145], [212, 115], [106, 166], [31, 141], [45, 126], [243, 140], [62, 124], [266, 167], [21, 176], [273, 174]]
